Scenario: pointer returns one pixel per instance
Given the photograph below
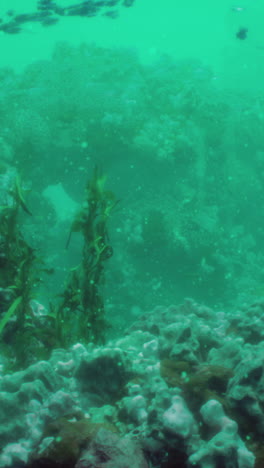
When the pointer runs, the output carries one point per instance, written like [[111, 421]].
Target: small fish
[[10, 12], [237, 9], [128, 3], [50, 21], [111, 14], [10, 28], [47, 8], [82, 10], [27, 17], [48, 271], [46, 3], [242, 34], [111, 3]]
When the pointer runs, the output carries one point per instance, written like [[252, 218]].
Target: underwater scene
[[131, 234]]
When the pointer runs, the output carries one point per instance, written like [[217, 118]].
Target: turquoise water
[[131, 181], [184, 29], [168, 101]]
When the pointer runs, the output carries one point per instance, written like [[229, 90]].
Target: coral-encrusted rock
[[108, 450], [64, 442], [28, 400], [21, 395], [166, 393], [178, 419], [224, 445], [103, 375]]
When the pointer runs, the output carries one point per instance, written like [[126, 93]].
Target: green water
[[168, 101]]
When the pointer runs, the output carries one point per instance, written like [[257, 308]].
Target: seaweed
[[17, 272], [80, 316], [27, 333]]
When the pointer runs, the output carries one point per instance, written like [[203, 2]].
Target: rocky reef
[[182, 387]]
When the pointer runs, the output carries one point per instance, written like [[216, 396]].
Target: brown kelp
[[17, 270], [81, 315], [28, 331]]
